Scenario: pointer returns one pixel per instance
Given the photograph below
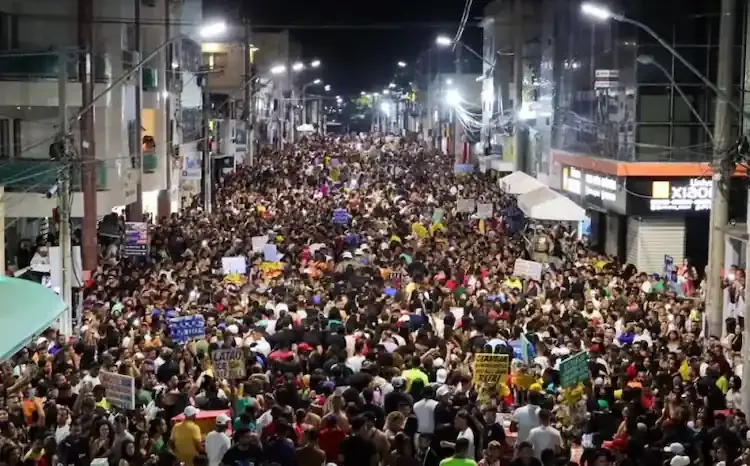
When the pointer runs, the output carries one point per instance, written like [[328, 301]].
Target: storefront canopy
[[546, 204], [519, 183], [26, 310]]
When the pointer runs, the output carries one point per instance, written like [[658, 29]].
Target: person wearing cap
[[186, 440], [217, 441], [398, 397]]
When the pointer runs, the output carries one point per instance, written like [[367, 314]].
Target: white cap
[[438, 363], [441, 376], [223, 419], [675, 449], [346, 255], [233, 329], [681, 461], [191, 411]]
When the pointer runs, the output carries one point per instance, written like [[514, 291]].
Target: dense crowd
[[359, 338]]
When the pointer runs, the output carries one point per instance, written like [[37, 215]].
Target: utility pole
[[135, 210], [89, 167], [458, 132], [249, 94], [722, 173], [164, 202], [206, 148], [520, 161], [293, 115], [63, 200]]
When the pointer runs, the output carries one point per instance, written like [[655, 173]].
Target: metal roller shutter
[[650, 239]]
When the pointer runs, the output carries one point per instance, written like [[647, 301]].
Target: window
[[653, 104], [653, 143], [6, 138]]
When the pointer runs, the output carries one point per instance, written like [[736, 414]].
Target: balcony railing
[[18, 174], [46, 67]]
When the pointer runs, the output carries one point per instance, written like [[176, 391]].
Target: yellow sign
[[490, 368]]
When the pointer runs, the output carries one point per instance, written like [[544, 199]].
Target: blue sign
[[186, 328], [340, 217], [136, 239], [463, 168]]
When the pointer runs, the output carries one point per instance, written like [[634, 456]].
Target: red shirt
[[330, 441]]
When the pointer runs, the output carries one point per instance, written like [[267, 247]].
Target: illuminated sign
[[589, 184], [572, 180], [694, 194], [601, 187]]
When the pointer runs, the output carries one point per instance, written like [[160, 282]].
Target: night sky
[[363, 58]]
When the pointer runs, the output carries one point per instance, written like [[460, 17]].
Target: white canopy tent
[[519, 183], [546, 204]]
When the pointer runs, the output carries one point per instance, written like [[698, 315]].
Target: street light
[[298, 66], [602, 13], [327, 88], [385, 107], [317, 81], [453, 97], [278, 69], [214, 29], [392, 85], [649, 60], [402, 64], [443, 41], [362, 93], [315, 64]]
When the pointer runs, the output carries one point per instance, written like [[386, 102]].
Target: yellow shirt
[[186, 436], [414, 374]]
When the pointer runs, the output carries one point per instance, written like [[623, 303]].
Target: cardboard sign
[[229, 363], [259, 242], [466, 205], [234, 265], [119, 389], [484, 211], [490, 368], [528, 269], [574, 369]]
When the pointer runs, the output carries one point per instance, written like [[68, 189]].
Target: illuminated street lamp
[[214, 29], [392, 85], [453, 97], [443, 41], [327, 88], [317, 81], [315, 64], [402, 64], [298, 66], [278, 69]]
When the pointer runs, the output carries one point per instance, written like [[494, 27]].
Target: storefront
[[642, 219], [605, 200]]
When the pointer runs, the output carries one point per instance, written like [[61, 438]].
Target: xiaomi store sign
[[692, 194]]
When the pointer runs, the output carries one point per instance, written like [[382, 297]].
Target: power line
[[158, 22]]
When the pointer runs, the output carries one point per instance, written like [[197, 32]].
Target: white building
[[33, 35]]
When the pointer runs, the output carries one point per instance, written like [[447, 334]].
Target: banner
[[463, 168], [668, 268], [191, 166], [437, 215], [484, 211], [234, 265], [119, 389], [259, 242], [527, 269], [574, 369], [186, 328], [340, 217], [136, 239], [490, 368], [228, 364], [466, 205]]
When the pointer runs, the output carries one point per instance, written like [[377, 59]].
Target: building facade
[[37, 37], [618, 122]]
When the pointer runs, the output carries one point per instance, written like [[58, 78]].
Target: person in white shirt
[[464, 432], [217, 441], [545, 437], [526, 418], [424, 409]]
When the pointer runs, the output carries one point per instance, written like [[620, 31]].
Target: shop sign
[[601, 187], [694, 194]]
